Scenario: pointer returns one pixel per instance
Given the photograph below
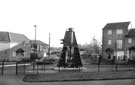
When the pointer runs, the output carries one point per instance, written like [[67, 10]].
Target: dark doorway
[[109, 53], [20, 52], [132, 53]]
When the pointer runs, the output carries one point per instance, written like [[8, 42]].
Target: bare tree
[[93, 47]]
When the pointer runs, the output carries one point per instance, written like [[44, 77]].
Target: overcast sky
[[87, 17]]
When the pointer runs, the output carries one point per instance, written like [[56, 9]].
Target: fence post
[[99, 62], [33, 65], [133, 64], [116, 66], [2, 67], [98, 67], [44, 65], [59, 68], [16, 67], [79, 68], [37, 68], [24, 68]]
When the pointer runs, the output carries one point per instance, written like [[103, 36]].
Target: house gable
[[131, 33], [19, 38]]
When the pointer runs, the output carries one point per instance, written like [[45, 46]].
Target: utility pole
[[34, 45]]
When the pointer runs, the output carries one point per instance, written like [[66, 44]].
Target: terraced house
[[118, 40]]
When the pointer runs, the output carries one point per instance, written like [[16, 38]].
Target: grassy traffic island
[[79, 76]]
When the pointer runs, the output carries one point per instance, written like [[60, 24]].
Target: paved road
[[17, 80]]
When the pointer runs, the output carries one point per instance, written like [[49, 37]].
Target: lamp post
[[35, 33], [34, 45]]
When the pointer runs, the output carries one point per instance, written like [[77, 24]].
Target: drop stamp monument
[[70, 56]]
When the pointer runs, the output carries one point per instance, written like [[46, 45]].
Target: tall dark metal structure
[[70, 56]]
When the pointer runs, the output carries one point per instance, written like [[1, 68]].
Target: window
[[109, 42], [119, 31], [129, 40], [38, 47], [25, 54], [14, 54], [119, 44], [41, 48], [34, 47], [109, 32]]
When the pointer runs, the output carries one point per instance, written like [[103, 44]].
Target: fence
[[12, 67], [16, 67], [21, 67]]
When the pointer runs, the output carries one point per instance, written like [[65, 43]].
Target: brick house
[[40, 48], [115, 41], [130, 44], [14, 46]]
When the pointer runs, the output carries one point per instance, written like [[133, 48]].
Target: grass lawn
[[79, 76]]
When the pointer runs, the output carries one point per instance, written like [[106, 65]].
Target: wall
[[15, 48], [4, 50]]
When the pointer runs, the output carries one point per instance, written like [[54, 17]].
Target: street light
[[35, 46], [35, 33]]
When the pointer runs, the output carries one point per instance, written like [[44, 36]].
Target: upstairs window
[[119, 44], [109, 32], [109, 42], [34, 47], [39, 48], [119, 31], [129, 40]]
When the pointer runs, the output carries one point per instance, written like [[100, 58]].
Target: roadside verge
[[79, 76]]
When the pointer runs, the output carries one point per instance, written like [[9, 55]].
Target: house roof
[[118, 25], [38, 42], [131, 33], [4, 36], [13, 37]]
